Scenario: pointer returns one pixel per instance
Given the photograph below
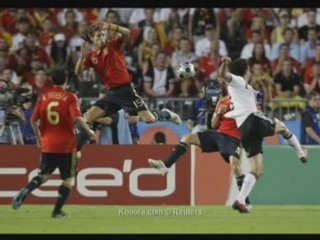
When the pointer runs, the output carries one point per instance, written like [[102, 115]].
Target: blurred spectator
[[184, 54], [159, 81], [76, 42], [247, 50], [90, 15], [66, 18], [174, 41], [47, 33], [35, 65], [159, 138], [199, 18], [10, 60], [209, 64], [310, 130], [146, 24], [124, 14], [258, 24], [308, 49], [41, 82], [312, 79], [6, 36], [23, 27], [284, 56], [259, 56], [30, 43], [10, 77], [284, 22], [69, 29], [311, 17], [203, 45], [294, 49], [233, 32], [8, 19], [196, 121], [60, 52], [155, 48], [27, 109], [287, 82], [261, 82], [144, 50], [175, 17], [310, 62]]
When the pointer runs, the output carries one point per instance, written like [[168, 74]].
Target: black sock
[[239, 184], [178, 151], [240, 181], [62, 197], [34, 183]]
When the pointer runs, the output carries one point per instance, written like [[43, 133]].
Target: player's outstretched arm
[[223, 70], [37, 132]]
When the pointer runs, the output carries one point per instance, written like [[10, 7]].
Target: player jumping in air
[[225, 139], [254, 125], [108, 61], [57, 110]]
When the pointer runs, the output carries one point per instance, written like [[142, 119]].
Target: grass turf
[[161, 219]]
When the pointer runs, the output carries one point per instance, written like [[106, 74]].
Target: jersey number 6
[[53, 116]]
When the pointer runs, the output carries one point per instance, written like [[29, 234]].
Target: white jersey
[[243, 99]]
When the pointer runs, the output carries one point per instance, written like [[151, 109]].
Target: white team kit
[[243, 98]]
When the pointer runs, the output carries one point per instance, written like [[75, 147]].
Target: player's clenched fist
[[226, 60]]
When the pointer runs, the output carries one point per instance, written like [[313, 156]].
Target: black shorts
[[212, 141], [66, 162], [253, 130], [123, 97]]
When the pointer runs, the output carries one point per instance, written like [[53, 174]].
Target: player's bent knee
[[190, 139], [68, 182], [44, 177]]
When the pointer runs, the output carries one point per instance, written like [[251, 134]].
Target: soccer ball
[[186, 71]]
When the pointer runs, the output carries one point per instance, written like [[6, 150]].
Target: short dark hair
[[239, 67], [59, 75], [160, 138], [88, 33]]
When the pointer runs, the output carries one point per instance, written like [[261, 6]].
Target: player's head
[[95, 36], [59, 76], [240, 67], [314, 100]]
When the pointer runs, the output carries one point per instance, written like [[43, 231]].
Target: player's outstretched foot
[[242, 208], [159, 165], [18, 199], [304, 156], [60, 214], [173, 116]]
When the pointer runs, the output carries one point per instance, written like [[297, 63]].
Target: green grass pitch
[[161, 219]]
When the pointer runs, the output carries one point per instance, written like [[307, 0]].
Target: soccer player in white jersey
[[253, 124]]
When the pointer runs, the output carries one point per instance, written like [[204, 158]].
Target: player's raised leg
[[178, 151], [281, 128]]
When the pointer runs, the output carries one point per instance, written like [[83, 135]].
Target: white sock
[[294, 142], [247, 186]]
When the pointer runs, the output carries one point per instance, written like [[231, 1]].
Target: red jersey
[[228, 126], [57, 110], [109, 64]]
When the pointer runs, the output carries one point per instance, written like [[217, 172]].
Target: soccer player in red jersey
[[225, 139], [57, 110], [108, 61]]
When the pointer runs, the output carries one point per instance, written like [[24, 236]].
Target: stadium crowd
[[281, 45]]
